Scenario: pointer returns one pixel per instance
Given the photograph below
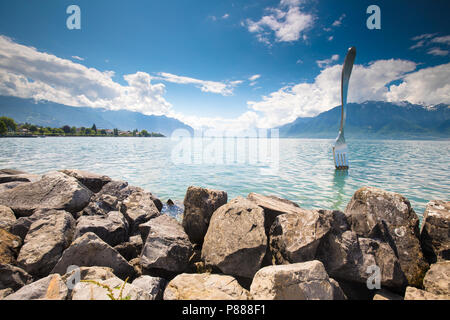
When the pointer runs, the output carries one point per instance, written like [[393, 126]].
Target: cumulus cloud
[[223, 88], [327, 62], [288, 23], [27, 73], [369, 82]]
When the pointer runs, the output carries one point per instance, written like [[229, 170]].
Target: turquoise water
[[417, 169]]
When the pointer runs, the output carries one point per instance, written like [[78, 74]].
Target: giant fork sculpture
[[340, 150]]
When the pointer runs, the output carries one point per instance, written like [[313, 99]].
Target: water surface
[[417, 169]]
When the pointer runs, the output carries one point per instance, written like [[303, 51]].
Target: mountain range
[[370, 119], [375, 120], [57, 115]]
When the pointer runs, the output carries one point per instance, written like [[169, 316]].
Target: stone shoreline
[[75, 235]]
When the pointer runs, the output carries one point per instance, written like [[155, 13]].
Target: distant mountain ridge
[[377, 120], [57, 115]]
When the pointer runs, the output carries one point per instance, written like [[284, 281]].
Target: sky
[[224, 64]]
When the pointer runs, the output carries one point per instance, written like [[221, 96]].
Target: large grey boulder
[[7, 177], [273, 206], [55, 190], [437, 279], [435, 231], [167, 247], [199, 205], [7, 218], [295, 237], [205, 286], [298, 281], [45, 242], [356, 259], [236, 241], [154, 286], [375, 213], [9, 247], [96, 289], [51, 287], [101, 204], [138, 208], [88, 251], [92, 181], [13, 277], [111, 228], [22, 225]]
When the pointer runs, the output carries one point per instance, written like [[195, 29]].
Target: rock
[[9, 247], [167, 246], [199, 205], [236, 241], [153, 286], [88, 251], [298, 281], [51, 287], [87, 273], [435, 231], [131, 249], [386, 295], [417, 294], [349, 257], [101, 204], [273, 207], [22, 225], [205, 286], [45, 242], [138, 208], [13, 277], [375, 213], [5, 292], [19, 177], [7, 218], [97, 291], [92, 181], [10, 185], [437, 279], [295, 237], [136, 264], [338, 293], [11, 172], [54, 191], [111, 228]]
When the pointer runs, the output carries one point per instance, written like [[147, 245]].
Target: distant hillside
[[57, 115], [376, 119]]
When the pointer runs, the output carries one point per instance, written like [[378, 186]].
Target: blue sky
[[224, 63]]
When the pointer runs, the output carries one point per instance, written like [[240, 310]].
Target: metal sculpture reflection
[[340, 150]]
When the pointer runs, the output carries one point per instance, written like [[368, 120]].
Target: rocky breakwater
[[75, 235]]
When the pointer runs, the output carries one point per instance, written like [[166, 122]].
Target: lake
[[305, 172]]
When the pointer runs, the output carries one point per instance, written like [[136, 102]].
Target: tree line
[[8, 127]]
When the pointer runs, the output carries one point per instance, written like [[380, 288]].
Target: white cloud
[[338, 22], [330, 38], [27, 73], [309, 99], [327, 62], [287, 21], [223, 88], [254, 77], [419, 44], [444, 40], [225, 16], [423, 36], [437, 52], [78, 58], [427, 86]]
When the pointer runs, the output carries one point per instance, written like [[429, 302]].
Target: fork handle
[[346, 73]]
